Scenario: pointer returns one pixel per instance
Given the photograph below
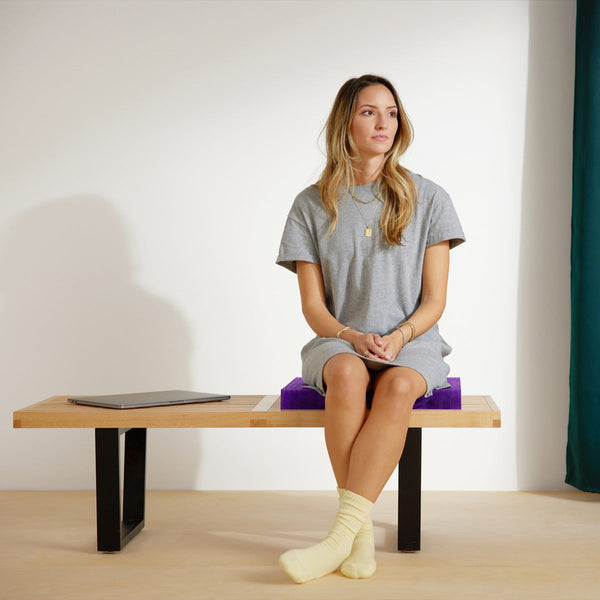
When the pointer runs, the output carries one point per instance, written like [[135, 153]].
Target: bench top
[[238, 411]]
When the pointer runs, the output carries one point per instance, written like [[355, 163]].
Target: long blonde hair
[[395, 185]]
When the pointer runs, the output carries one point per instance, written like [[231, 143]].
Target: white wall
[[149, 154]]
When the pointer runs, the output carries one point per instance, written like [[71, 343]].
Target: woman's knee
[[347, 373], [400, 387], [345, 368], [397, 394]]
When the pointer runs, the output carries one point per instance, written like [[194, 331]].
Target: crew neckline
[[364, 185]]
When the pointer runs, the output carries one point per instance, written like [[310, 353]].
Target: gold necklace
[[363, 201], [368, 230]]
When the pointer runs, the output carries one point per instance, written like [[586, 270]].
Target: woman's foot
[[321, 559], [361, 562]]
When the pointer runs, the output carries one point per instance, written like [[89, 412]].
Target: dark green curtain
[[583, 447]]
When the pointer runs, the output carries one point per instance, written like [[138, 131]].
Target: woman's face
[[375, 121]]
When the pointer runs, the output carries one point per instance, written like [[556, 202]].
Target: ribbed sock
[[361, 562], [326, 557]]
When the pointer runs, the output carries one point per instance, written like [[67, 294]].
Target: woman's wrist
[[339, 333], [407, 330], [347, 334], [400, 335]]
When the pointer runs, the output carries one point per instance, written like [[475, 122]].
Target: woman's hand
[[369, 345], [392, 344]]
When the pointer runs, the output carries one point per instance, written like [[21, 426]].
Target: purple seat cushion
[[296, 396]]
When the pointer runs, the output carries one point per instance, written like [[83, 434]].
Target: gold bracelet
[[412, 330], [337, 335], [403, 338]]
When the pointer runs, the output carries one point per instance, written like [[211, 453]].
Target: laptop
[[147, 399]]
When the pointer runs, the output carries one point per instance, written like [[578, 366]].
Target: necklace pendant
[[368, 232]]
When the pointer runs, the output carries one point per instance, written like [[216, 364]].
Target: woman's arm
[[433, 297], [321, 321]]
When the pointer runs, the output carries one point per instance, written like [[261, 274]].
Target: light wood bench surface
[[239, 411], [117, 525]]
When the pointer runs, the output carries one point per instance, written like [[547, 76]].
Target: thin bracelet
[[403, 338], [413, 330], [337, 335]]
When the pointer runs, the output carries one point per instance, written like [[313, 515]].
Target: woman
[[370, 245]]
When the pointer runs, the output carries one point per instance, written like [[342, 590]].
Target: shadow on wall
[[543, 318], [72, 321]]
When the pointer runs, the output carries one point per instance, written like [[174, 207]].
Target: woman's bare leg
[[374, 446], [347, 380], [380, 442]]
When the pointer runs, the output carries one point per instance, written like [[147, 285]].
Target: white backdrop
[[149, 153]]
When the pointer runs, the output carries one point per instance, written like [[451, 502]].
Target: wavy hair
[[395, 185]]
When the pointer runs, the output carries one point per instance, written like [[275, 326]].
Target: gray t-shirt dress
[[369, 285]]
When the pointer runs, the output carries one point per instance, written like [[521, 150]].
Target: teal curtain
[[583, 447]]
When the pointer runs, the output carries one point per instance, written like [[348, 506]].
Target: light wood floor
[[206, 545]]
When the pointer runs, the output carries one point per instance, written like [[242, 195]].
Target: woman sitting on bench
[[370, 245]]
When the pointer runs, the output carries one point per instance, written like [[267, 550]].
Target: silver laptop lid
[[147, 399]]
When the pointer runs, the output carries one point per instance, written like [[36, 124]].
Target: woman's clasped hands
[[373, 345]]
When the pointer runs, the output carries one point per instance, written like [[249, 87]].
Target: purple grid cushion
[[295, 396]]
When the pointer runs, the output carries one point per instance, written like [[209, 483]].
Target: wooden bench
[[115, 528]]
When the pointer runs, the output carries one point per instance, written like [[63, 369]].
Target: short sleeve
[[296, 242], [444, 224]]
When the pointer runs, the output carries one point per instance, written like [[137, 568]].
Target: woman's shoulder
[[426, 188], [307, 202], [310, 194], [435, 213]]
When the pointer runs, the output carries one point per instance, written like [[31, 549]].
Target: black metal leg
[[409, 493], [134, 484], [113, 532], [108, 500]]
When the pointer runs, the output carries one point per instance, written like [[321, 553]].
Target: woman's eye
[[393, 114], [367, 112]]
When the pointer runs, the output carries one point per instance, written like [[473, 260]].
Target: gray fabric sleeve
[[296, 244], [444, 224]]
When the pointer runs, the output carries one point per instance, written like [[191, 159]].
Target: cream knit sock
[[361, 562], [326, 557]]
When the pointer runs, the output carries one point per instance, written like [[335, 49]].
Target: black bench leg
[[409, 493], [113, 532]]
